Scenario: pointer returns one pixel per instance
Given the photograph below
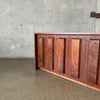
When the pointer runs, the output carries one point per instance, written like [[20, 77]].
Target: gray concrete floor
[[19, 81]]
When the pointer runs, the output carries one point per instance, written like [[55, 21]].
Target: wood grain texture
[[98, 70], [75, 57], [41, 51], [50, 53], [66, 57], [84, 59], [61, 55], [56, 54], [46, 51], [93, 61]]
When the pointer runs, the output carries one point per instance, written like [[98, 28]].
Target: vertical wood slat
[[61, 55], [46, 51], [69, 56], [93, 61], [66, 57], [56, 54], [75, 53], [84, 59], [40, 51], [99, 66], [50, 53]]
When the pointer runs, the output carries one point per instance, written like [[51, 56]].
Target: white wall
[[19, 19], [97, 27]]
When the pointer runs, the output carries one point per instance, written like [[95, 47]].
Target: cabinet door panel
[[75, 53], [56, 54], [46, 51], [50, 53], [41, 51], [84, 59], [61, 54], [93, 61]]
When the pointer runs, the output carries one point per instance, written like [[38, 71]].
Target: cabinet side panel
[[36, 51], [75, 57], [93, 61]]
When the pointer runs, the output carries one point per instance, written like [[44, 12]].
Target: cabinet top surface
[[69, 33]]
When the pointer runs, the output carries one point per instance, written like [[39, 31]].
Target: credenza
[[73, 56]]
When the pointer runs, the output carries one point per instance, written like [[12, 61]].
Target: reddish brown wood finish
[[61, 53], [50, 53], [93, 61], [73, 56]]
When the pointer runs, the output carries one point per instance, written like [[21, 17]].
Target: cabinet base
[[70, 79]]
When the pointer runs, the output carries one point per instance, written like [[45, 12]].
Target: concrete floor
[[19, 81]]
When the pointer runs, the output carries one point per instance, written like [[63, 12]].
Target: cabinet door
[[61, 54], [46, 51], [74, 57], [40, 51], [50, 52], [93, 61]]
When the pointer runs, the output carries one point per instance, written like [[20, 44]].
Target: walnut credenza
[[73, 56]]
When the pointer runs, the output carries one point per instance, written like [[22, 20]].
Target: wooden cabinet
[[75, 57]]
